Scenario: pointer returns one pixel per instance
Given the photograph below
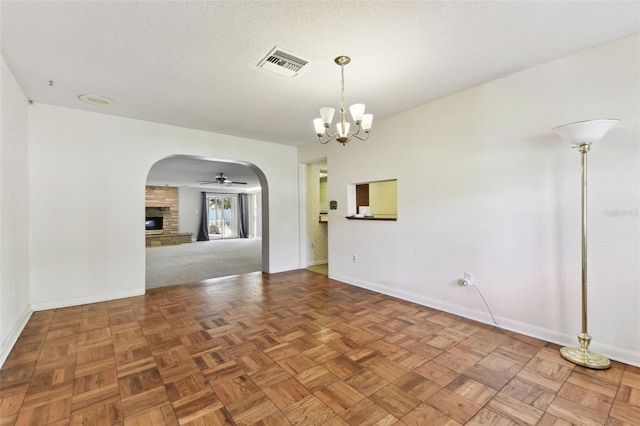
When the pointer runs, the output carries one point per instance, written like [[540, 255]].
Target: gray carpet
[[187, 263]]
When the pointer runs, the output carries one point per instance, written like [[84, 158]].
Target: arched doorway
[[233, 194]]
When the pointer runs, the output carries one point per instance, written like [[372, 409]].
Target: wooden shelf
[[372, 218]]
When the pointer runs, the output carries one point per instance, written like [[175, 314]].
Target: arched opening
[[186, 196]]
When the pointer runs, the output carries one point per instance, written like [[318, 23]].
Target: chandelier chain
[[342, 89]]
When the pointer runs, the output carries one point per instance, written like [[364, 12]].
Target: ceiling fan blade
[[206, 182], [223, 180]]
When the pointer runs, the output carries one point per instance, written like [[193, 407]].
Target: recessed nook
[[375, 200]]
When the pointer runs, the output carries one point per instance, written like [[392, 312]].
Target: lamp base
[[585, 358]]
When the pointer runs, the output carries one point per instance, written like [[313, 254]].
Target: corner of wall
[[12, 336], [14, 211]]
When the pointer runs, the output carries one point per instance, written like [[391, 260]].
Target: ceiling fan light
[[319, 126], [367, 120], [357, 111], [326, 114]]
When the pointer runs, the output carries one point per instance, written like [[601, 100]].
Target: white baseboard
[[11, 340], [318, 262], [281, 268], [75, 301], [627, 356]]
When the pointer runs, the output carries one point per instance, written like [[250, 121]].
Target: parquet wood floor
[[294, 348]]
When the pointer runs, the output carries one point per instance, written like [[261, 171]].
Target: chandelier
[[362, 121]]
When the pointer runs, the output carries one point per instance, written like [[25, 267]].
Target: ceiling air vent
[[283, 62]]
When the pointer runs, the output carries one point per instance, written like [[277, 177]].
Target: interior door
[[223, 216]]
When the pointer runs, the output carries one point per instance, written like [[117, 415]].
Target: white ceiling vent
[[283, 62]]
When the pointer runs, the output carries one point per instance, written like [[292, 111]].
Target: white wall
[[189, 210], [14, 212], [85, 166], [483, 187]]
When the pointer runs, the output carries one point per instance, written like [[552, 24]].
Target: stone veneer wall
[[162, 201]]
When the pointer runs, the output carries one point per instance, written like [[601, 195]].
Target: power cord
[[488, 308]]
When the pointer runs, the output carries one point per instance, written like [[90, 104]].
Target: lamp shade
[[357, 111], [585, 132], [319, 126], [326, 113], [367, 119], [343, 132]]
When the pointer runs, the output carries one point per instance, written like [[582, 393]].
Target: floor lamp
[[581, 135]]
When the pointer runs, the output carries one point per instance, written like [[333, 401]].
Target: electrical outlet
[[467, 280], [354, 258]]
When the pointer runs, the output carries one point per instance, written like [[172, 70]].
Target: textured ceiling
[[193, 64]]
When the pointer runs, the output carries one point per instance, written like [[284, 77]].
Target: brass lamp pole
[[582, 134]]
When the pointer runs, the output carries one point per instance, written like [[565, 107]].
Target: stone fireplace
[[162, 202]]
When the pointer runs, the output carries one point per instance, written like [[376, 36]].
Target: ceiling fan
[[222, 180]]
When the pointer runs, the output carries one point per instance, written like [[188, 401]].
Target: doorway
[[223, 216], [239, 246], [317, 216]]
